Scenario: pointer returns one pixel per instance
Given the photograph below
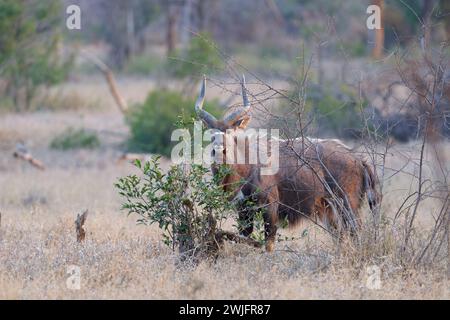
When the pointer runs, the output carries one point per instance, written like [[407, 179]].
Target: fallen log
[[23, 154]]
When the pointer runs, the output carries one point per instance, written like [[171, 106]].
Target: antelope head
[[236, 120], [230, 142], [224, 131]]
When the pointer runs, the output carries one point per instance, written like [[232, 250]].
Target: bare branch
[[110, 79]]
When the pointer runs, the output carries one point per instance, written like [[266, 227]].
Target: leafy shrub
[[186, 204], [30, 34], [144, 64], [70, 100], [6, 104], [338, 112], [201, 57], [265, 61], [355, 48], [152, 122], [334, 112], [75, 139]]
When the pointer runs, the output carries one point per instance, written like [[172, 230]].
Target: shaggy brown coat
[[317, 179]]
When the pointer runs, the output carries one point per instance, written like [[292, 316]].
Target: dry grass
[[123, 260]]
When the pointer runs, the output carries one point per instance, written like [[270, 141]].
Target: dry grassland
[[123, 260]]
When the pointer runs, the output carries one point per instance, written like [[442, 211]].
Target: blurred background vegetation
[[181, 40]]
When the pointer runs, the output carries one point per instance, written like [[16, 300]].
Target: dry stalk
[[79, 226]]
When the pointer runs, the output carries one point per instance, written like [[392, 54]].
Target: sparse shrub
[[201, 57], [144, 64], [30, 36], [355, 48], [186, 204], [75, 139], [265, 61], [71, 100], [152, 122], [338, 112], [335, 113], [6, 104]]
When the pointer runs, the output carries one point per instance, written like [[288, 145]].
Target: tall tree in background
[[377, 52], [115, 16], [30, 34], [201, 15], [445, 13], [186, 22], [187, 16], [121, 24], [172, 13]]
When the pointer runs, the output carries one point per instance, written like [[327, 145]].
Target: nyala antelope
[[319, 179]]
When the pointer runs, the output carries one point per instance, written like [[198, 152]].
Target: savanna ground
[[121, 259]]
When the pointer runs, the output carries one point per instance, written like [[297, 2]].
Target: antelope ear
[[238, 123], [241, 123]]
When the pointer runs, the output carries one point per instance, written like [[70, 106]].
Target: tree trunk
[[377, 52], [447, 232], [445, 7], [130, 29], [427, 10], [319, 65], [276, 12], [201, 15], [171, 36], [186, 23]]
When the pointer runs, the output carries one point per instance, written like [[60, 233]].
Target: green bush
[[337, 112], [355, 48], [6, 104], [186, 203], [75, 139], [30, 35], [151, 123], [67, 100], [332, 111], [144, 64], [200, 57]]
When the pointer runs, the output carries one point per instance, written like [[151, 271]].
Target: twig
[[227, 235]]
